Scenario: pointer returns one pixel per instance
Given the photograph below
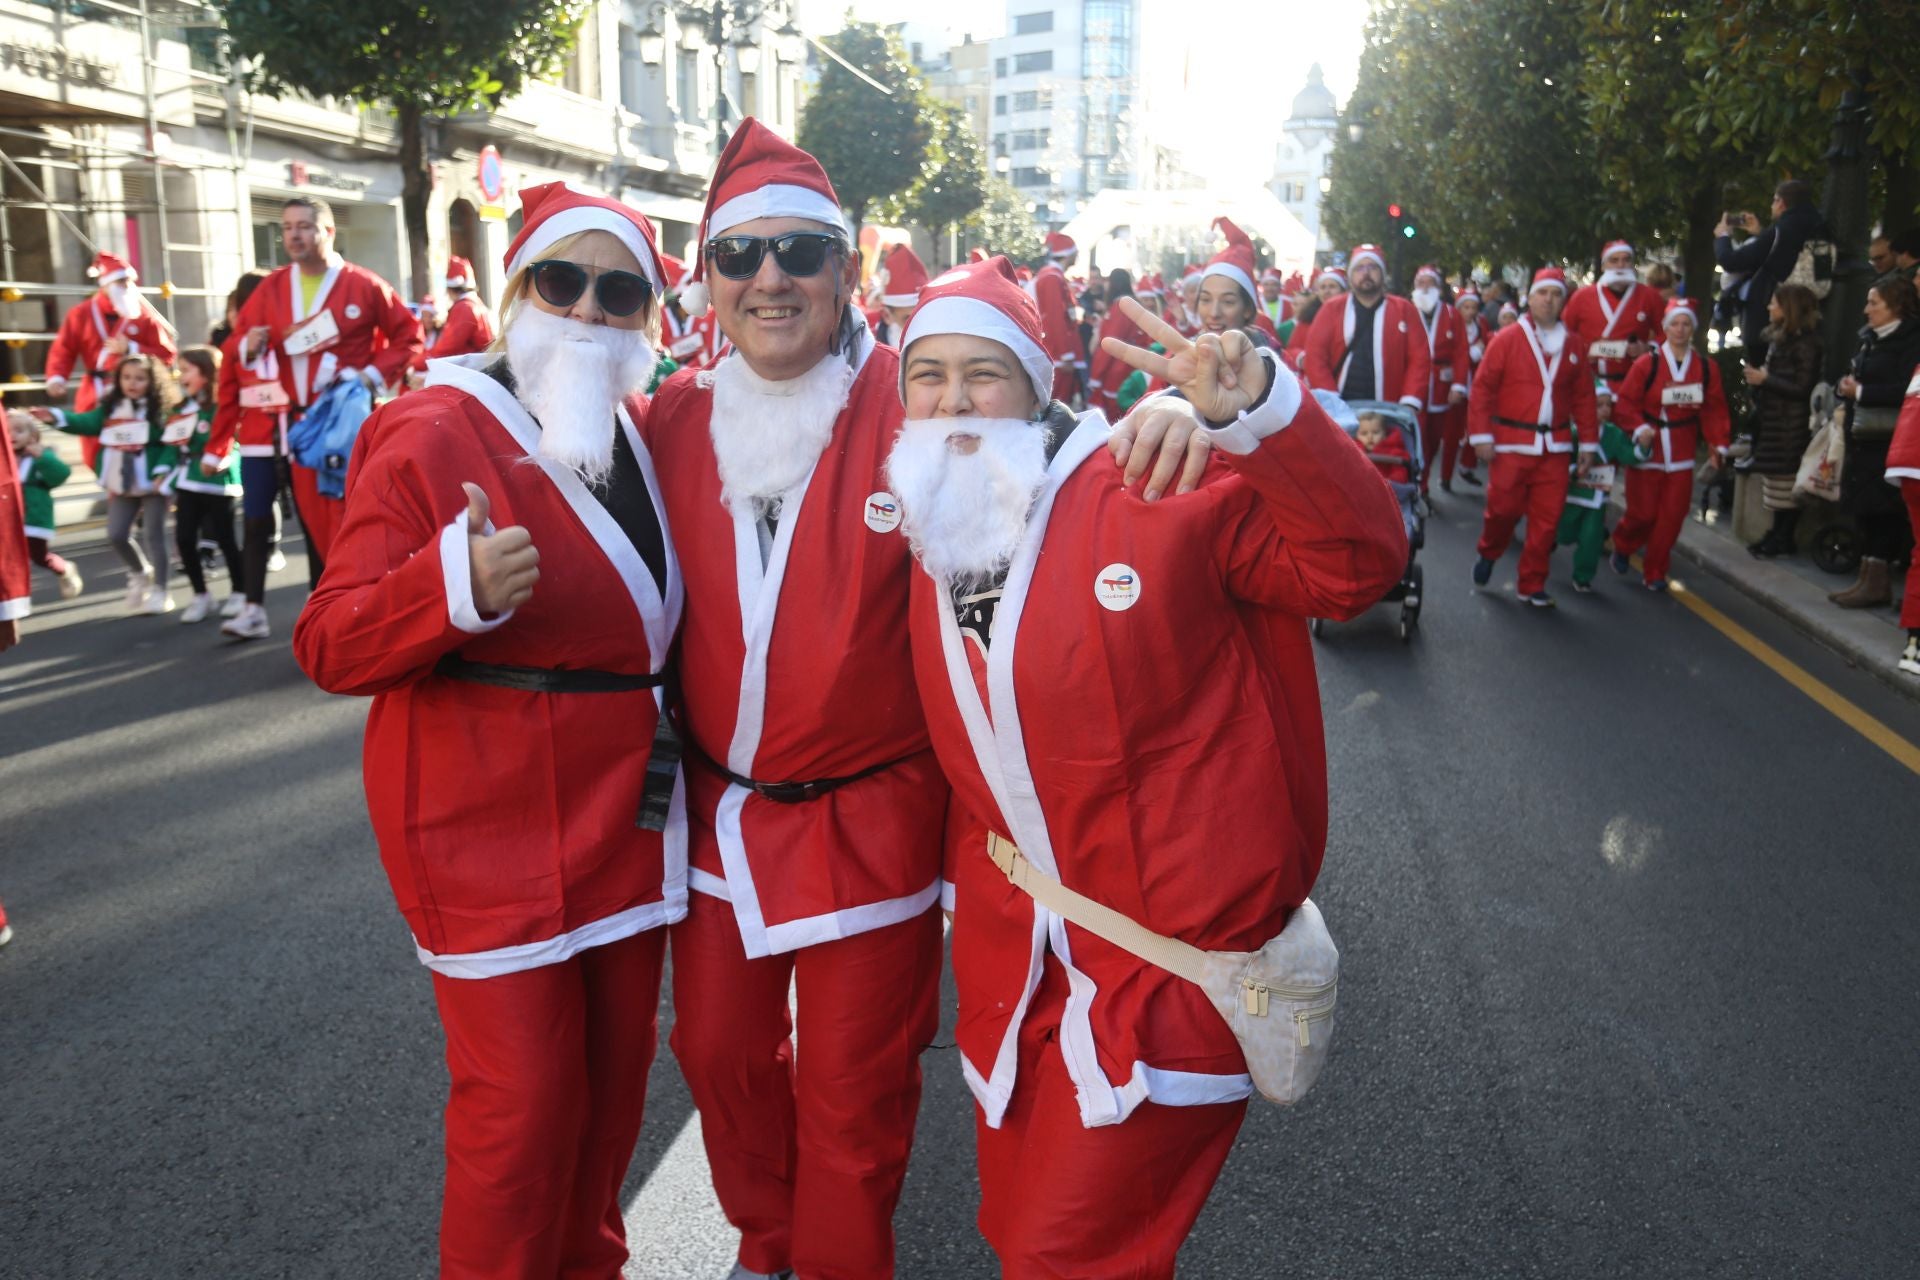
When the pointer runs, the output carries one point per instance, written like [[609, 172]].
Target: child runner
[[1583, 525], [40, 474], [207, 482], [131, 422]]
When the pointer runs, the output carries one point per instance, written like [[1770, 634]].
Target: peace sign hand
[[1220, 374]]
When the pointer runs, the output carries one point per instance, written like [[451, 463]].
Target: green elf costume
[[1583, 524], [39, 477]]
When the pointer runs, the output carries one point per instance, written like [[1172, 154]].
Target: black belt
[[790, 792], [1669, 422], [1614, 376], [545, 679], [1518, 425]]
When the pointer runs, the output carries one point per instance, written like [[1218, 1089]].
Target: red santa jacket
[[1601, 316], [506, 818], [375, 329], [1391, 458], [797, 671], [16, 569], [82, 341], [1196, 806], [1903, 455], [1400, 361], [467, 329], [1478, 334], [1682, 398], [1057, 326], [1448, 361], [1105, 373], [1522, 389]]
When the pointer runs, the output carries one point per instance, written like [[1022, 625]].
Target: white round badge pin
[[1117, 587], [882, 512]]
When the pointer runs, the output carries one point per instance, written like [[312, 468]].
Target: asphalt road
[[1628, 924]]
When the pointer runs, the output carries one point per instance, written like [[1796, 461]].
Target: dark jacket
[[1768, 258], [1780, 431], [1883, 367]]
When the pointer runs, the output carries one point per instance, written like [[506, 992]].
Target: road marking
[[1847, 712]]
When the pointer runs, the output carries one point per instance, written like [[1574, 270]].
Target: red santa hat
[[673, 269], [1191, 270], [902, 277], [976, 255], [1429, 270], [1272, 276], [1022, 274], [1548, 278], [1061, 245], [1235, 262], [761, 175], [1295, 283], [983, 299], [1682, 307], [459, 273], [1366, 253], [1468, 290], [1330, 272], [553, 211], [109, 267], [1614, 246]]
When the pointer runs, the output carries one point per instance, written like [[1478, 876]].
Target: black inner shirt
[[1359, 383]]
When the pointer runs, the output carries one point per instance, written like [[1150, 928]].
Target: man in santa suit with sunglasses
[[116, 321]]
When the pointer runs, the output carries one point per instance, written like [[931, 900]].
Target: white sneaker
[[70, 583], [276, 562], [740, 1272], [232, 605], [158, 601], [6, 934], [251, 624], [138, 586], [197, 609]]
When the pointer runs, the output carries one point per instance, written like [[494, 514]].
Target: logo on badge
[[883, 512], [1117, 587], [353, 311]]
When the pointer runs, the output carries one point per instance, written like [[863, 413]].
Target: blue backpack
[[323, 437]]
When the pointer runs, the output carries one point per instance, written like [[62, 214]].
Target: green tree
[[422, 59], [873, 145], [954, 185], [1004, 224]]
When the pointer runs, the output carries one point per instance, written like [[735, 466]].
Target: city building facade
[[1303, 158]]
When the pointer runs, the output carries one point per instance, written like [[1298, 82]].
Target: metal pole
[[1848, 220]]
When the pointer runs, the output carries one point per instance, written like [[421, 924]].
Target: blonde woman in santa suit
[[1053, 596]]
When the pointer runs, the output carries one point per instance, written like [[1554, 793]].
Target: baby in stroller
[[1383, 448], [1389, 434]]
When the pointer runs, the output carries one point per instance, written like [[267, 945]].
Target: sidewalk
[[1796, 589]]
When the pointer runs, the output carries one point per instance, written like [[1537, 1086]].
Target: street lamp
[[726, 23]]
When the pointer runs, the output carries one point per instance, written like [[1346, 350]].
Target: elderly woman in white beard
[[505, 587]]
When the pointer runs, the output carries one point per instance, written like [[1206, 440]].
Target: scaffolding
[[67, 182]]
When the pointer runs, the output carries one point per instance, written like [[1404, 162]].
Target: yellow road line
[[1847, 712]]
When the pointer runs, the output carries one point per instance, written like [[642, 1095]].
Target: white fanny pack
[[1278, 1001]]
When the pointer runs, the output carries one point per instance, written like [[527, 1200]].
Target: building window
[[1028, 24], [749, 94], [999, 104], [1032, 100], [581, 74], [999, 66], [632, 71], [999, 144], [1026, 62], [1030, 177], [1108, 48], [1032, 139], [687, 66]]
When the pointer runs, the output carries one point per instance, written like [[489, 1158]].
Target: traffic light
[[1408, 231], [1393, 211]]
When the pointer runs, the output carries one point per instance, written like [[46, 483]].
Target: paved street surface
[[1628, 925]]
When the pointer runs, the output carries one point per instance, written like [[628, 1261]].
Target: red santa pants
[[1433, 425], [549, 1070], [1530, 485], [807, 1148], [319, 516], [1910, 607], [1657, 504], [1064, 384], [1452, 433], [1059, 1201]]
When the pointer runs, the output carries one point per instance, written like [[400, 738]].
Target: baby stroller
[[1399, 418]]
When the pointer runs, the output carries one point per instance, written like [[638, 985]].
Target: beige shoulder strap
[[1176, 957]]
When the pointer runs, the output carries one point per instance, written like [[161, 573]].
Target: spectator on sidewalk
[[1905, 248], [1767, 259], [1782, 394], [1880, 255], [1871, 392], [41, 472]]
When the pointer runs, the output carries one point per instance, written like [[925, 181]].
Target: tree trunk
[[1902, 210], [1696, 252], [416, 188]]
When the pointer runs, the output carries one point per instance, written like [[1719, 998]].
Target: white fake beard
[[964, 514], [767, 435], [124, 299], [572, 377], [1426, 300], [1621, 278]]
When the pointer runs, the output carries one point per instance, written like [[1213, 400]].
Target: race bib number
[[684, 346], [1600, 479], [264, 395], [316, 333], [124, 435], [1615, 349], [179, 430], [1683, 393]]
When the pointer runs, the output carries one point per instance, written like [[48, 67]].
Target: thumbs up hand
[[504, 564]]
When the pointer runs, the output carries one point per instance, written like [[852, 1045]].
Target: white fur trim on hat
[[1548, 283], [1232, 273], [1366, 255], [777, 200], [982, 320], [900, 299], [589, 217]]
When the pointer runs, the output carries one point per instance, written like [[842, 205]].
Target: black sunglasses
[[799, 253], [560, 284]]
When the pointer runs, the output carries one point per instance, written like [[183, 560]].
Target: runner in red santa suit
[[505, 587], [1331, 283], [1183, 311], [902, 277], [1109, 1092], [16, 558], [1530, 412], [1455, 454], [1055, 300], [116, 321], [1448, 362], [467, 327], [1616, 319], [316, 319], [1367, 345], [1676, 390], [1274, 305]]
